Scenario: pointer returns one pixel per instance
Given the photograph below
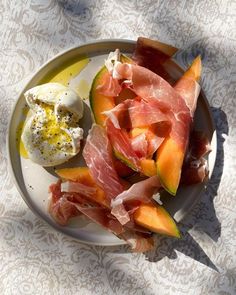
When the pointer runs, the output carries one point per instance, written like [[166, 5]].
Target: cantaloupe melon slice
[[154, 218], [170, 155], [82, 175]]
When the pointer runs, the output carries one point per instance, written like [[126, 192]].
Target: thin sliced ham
[[199, 144], [98, 156], [153, 55], [139, 145], [141, 191], [195, 166], [91, 193], [121, 143], [136, 113], [189, 90], [110, 87], [102, 217], [149, 87], [63, 206], [139, 242]]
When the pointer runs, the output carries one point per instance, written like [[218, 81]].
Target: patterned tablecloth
[[34, 259]]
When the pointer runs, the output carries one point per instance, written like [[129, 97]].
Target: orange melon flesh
[[82, 175], [100, 103], [148, 167], [156, 219], [169, 163], [194, 72], [149, 216], [78, 174], [170, 156]]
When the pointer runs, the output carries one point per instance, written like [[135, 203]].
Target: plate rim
[[8, 139]]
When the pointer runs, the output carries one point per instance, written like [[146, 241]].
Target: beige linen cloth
[[35, 259]]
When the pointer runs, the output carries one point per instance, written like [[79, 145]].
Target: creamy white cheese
[[52, 134]]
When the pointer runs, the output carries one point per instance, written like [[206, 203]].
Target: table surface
[[34, 259]]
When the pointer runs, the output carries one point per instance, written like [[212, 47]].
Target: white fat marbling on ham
[[98, 156]]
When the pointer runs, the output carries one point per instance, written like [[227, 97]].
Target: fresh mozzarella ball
[[52, 134]]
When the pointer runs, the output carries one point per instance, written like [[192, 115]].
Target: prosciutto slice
[[189, 90], [141, 191], [98, 156], [153, 55], [110, 87], [136, 113], [63, 206], [140, 145], [91, 193], [76, 187], [59, 207], [121, 143], [152, 88], [195, 166]]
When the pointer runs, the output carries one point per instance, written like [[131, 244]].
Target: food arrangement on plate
[[142, 142]]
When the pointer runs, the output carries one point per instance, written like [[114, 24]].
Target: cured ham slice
[[121, 144], [59, 207], [63, 206], [139, 242], [136, 113], [199, 144], [76, 187], [195, 166], [151, 87], [102, 217], [153, 55], [91, 193], [98, 156], [110, 87], [140, 145], [141, 191], [187, 86]]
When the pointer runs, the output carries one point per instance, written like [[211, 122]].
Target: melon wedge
[[82, 175], [156, 219], [148, 167], [170, 155], [194, 72], [169, 162], [100, 103]]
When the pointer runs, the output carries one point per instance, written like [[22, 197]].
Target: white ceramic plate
[[33, 181]]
